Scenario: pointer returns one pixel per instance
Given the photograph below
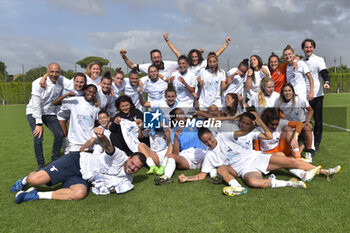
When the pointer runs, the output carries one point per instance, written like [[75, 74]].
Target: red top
[[279, 76]]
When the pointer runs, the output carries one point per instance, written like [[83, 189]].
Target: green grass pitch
[[189, 207]]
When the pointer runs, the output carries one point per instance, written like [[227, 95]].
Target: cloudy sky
[[42, 31]]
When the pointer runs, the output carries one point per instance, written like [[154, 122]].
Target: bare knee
[[78, 193], [287, 129], [223, 170], [254, 179], [38, 178], [171, 156]]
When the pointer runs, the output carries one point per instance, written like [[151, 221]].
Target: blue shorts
[[66, 169]]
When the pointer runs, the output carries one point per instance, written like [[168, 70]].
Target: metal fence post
[[24, 85], [7, 93]]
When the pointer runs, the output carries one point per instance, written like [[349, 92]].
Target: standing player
[[153, 85], [210, 81], [132, 88], [300, 78], [235, 79], [196, 61], [104, 96], [318, 71], [93, 73], [164, 67], [184, 83], [40, 110], [83, 115], [256, 73]]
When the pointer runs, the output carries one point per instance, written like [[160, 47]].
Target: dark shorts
[[66, 170]]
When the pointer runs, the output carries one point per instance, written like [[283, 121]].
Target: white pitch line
[[337, 127]]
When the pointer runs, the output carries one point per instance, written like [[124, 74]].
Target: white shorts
[[63, 114], [194, 157], [258, 163], [76, 147]]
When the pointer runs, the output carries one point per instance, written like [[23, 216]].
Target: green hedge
[[17, 95], [342, 83]]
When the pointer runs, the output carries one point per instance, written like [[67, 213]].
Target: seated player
[[266, 97], [111, 171], [295, 108], [160, 148], [285, 134], [104, 123], [127, 111], [188, 151], [166, 106]]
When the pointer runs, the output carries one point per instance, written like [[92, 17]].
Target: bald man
[[40, 110]]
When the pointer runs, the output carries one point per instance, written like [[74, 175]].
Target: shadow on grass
[[139, 179]]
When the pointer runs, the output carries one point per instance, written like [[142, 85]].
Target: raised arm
[[171, 45], [266, 135], [128, 62], [224, 85], [176, 146], [248, 83], [221, 50], [103, 140], [42, 82]]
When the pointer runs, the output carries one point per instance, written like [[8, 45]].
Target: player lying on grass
[[247, 163], [108, 172]]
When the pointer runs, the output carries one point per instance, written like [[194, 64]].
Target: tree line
[[36, 72]]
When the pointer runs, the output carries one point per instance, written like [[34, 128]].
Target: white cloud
[[32, 52], [95, 7]]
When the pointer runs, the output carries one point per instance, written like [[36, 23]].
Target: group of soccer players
[[244, 123]]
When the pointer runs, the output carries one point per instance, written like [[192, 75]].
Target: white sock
[[297, 172], [45, 195], [280, 183], [234, 183], [164, 161], [149, 162], [170, 168], [24, 181], [213, 173]]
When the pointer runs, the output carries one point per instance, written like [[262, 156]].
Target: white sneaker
[[234, 191], [308, 157], [298, 184], [309, 175], [332, 171]]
